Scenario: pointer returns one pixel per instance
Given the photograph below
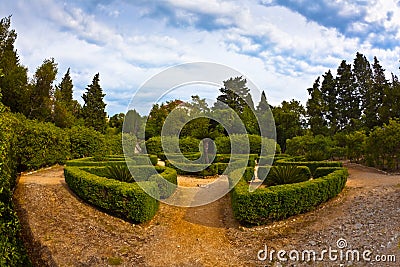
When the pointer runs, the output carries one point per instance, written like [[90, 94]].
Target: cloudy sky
[[281, 46]]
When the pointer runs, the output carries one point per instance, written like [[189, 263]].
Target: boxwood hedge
[[312, 165], [126, 200], [279, 202]]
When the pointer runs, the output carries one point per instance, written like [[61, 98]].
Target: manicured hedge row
[[324, 171], [209, 170], [279, 202], [127, 200], [12, 251], [167, 175], [312, 165], [145, 173], [86, 162]]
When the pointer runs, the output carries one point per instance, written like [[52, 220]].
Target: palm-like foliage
[[120, 172], [286, 174]]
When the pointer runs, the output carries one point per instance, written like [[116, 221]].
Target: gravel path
[[61, 230]]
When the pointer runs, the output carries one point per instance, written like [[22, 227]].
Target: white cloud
[[279, 49]]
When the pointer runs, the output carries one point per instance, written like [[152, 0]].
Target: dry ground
[[61, 230]]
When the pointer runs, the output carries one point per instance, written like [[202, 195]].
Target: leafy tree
[[14, 82], [116, 121], [93, 109], [289, 121], [157, 116], [234, 94], [42, 91], [316, 109]]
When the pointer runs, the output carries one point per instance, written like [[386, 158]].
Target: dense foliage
[[12, 252], [279, 202], [127, 200]]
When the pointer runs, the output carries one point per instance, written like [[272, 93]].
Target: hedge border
[[126, 200], [282, 201]]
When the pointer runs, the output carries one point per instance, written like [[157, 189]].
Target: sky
[[280, 46]]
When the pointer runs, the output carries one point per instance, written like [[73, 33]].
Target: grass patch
[[114, 261]]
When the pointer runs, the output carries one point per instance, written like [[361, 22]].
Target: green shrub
[[12, 251], [324, 171], [120, 173], [127, 200], [287, 174], [85, 142], [40, 144], [282, 201], [192, 168], [314, 148], [312, 165], [167, 182], [189, 144], [172, 144]]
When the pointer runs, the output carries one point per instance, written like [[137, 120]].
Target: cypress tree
[[93, 110]]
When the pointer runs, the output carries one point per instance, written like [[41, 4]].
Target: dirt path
[[64, 231]]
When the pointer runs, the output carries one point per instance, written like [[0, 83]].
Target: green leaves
[[279, 202], [286, 174], [120, 173]]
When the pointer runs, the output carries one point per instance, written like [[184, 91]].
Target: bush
[[324, 171], [191, 168], [85, 142], [282, 201], [120, 173], [255, 142], [165, 175], [12, 251], [312, 165], [287, 174], [126, 200], [314, 148], [40, 144], [172, 145]]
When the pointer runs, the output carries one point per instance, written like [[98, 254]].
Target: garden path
[[62, 230]]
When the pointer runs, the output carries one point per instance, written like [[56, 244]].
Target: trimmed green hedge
[[282, 201], [312, 165], [208, 169], [324, 171], [145, 173], [126, 200], [167, 175], [12, 251]]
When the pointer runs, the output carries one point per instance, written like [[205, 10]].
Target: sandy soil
[[61, 230]]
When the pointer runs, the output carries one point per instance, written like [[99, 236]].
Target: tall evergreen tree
[[379, 88], [363, 77], [329, 97], [65, 107], [93, 110], [349, 110], [263, 105], [42, 91], [316, 109], [14, 83]]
